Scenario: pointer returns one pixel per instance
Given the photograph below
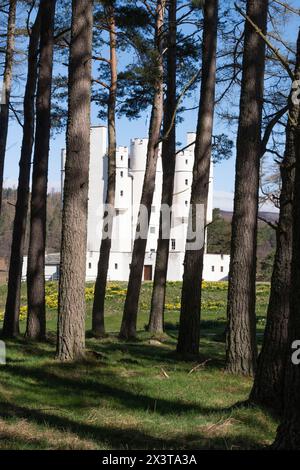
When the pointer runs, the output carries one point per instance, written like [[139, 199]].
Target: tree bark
[[71, 312], [189, 325], [12, 308], [241, 332], [288, 433], [128, 327], [36, 317], [98, 326], [7, 81], [268, 388], [156, 320]]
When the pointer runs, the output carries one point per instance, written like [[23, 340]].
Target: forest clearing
[[132, 395], [149, 226]]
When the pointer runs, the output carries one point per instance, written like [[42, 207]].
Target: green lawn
[[136, 395]]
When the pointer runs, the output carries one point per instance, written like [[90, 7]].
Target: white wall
[[216, 267], [130, 170]]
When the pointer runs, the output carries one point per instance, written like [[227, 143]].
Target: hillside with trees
[[219, 237], [53, 222]]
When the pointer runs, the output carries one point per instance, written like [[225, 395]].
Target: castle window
[[222, 269], [116, 265], [121, 173], [121, 158], [90, 265], [186, 182], [152, 229], [186, 203], [152, 208], [213, 269], [186, 162], [173, 243], [122, 193]]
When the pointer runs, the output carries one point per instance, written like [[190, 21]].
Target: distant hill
[[7, 216], [269, 216], [219, 234]]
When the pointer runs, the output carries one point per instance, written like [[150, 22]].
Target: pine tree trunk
[[12, 308], [71, 313], [189, 325], [288, 433], [128, 327], [36, 318], [268, 388], [241, 332], [156, 322], [98, 326], [7, 81]]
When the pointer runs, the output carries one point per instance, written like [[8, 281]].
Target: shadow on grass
[[115, 437], [85, 385]]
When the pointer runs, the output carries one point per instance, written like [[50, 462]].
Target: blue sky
[[223, 172]]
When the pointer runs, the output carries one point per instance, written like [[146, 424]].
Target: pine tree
[[168, 166], [288, 433], [189, 325], [268, 388], [12, 308], [98, 327], [128, 327], [241, 332], [7, 82], [36, 318], [71, 312]]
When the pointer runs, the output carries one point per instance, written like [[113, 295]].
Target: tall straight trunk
[[5, 93], [128, 327], [36, 317], [268, 388], [241, 332], [12, 308], [156, 321], [98, 326], [288, 433], [71, 312], [189, 325]]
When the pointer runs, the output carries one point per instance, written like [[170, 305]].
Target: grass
[[136, 395]]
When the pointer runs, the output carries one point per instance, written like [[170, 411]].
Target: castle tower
[[97, 186]]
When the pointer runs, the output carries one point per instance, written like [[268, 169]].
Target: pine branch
[[268, 43], [180, 98], [273, 226], [269, 128], [288, 7]]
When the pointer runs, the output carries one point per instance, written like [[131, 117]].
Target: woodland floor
[[137, 395]]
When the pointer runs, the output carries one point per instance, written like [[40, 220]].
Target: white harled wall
[[130, 169]]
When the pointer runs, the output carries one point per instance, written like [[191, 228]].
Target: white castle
[[130, 170]]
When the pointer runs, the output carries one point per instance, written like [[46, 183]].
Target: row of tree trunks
[[288, 434], [189, 325], [168, 157], [128, 327], [12, 308], [241, 333], [71, 312], [6, 91], [268, 388], [36, 318], [98, 324]]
